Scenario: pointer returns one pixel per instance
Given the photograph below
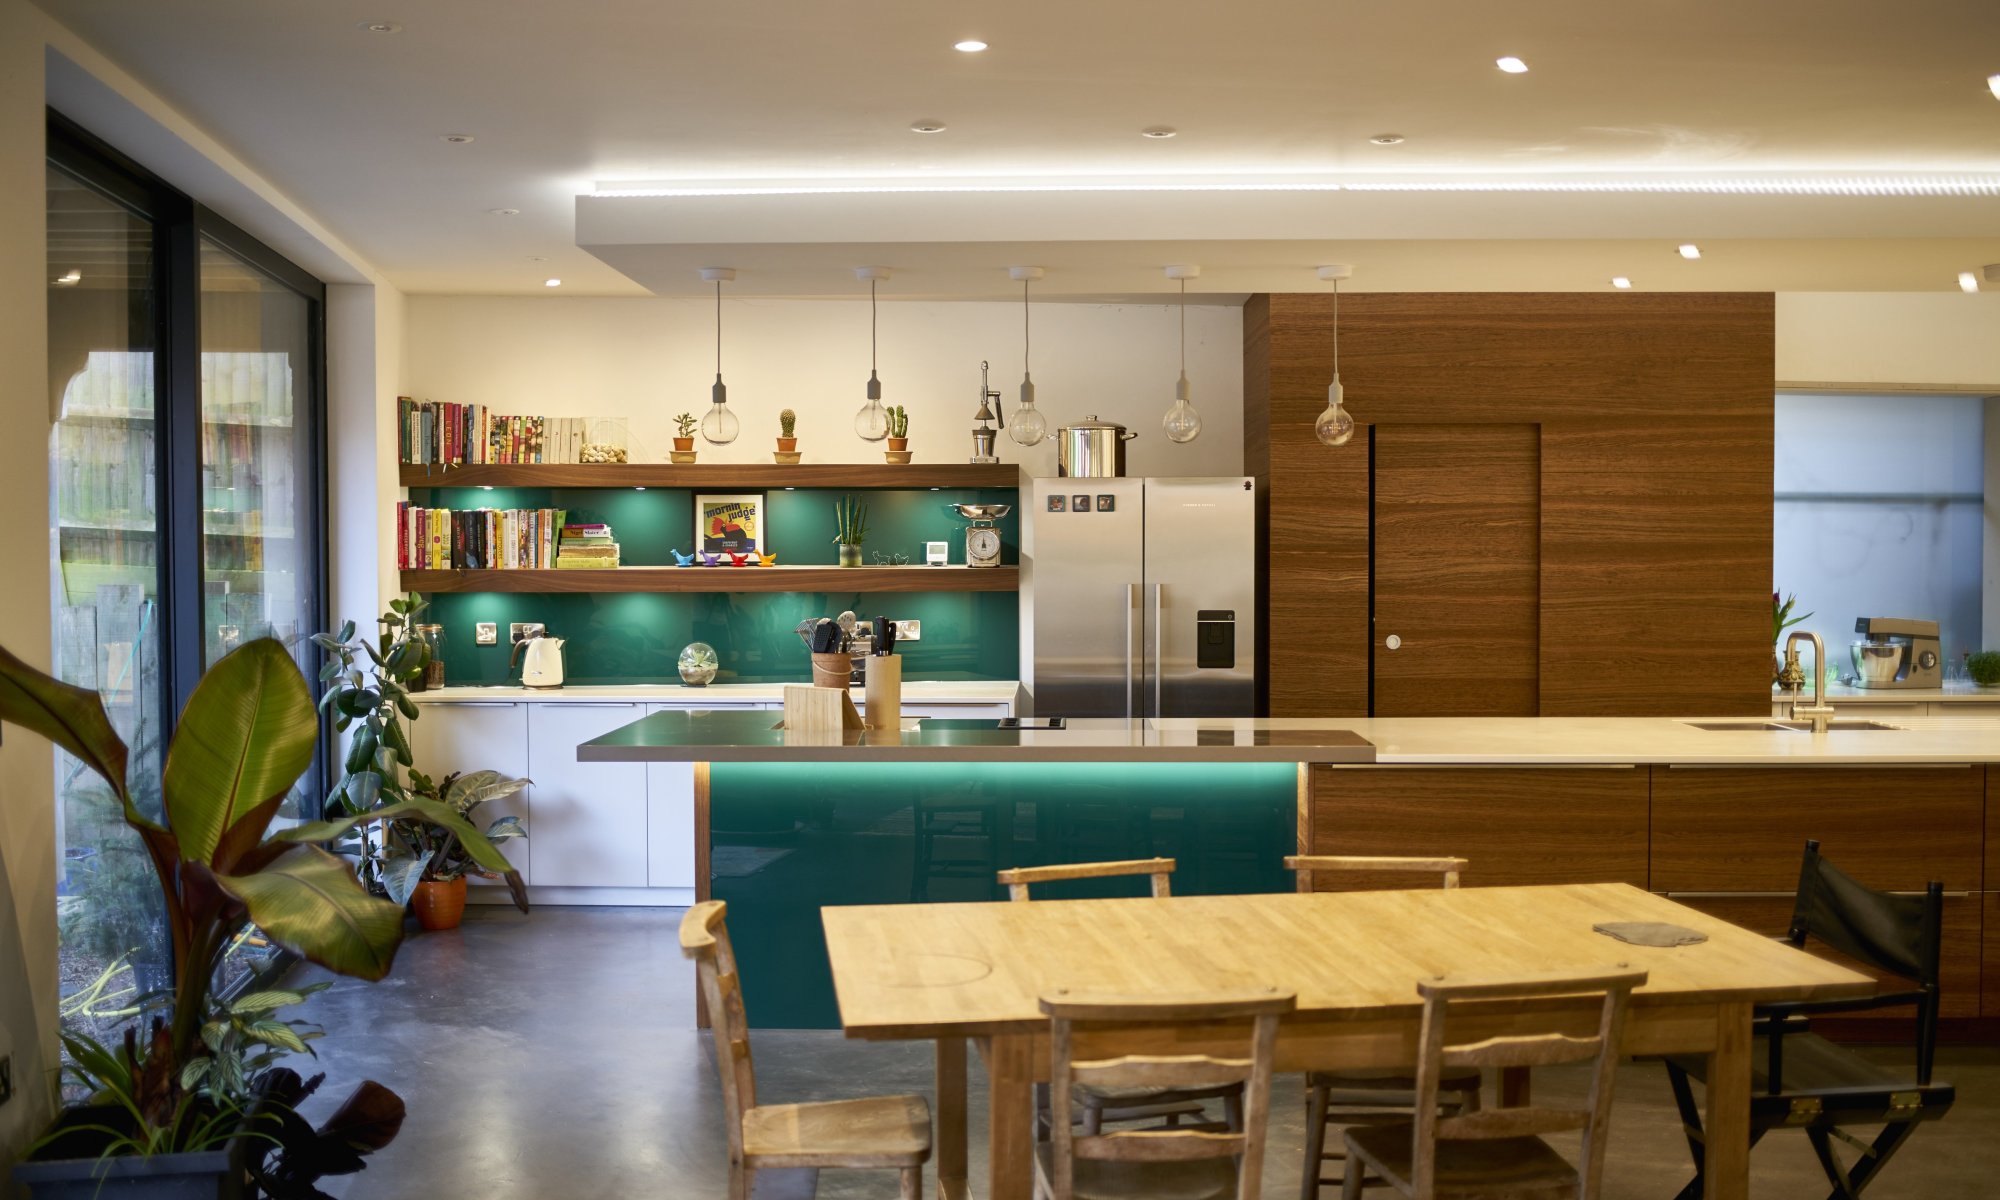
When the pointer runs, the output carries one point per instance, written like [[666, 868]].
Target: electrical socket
[[518, 631], [909, 631], [485, 633]]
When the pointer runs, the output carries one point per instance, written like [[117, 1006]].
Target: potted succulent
[[165, 1111], [425, 865], [899, 435], [1781, 620], [850, 526], [1984, 668], [788, 424], [683, 451]]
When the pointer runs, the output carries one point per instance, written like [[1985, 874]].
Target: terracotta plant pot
[[440, 905], [899, 443], [684, 444], [787, 445]]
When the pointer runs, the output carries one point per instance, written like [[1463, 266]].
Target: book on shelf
[[453, 434], [476, 539]]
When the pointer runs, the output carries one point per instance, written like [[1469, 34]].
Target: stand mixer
[[1897, 652]]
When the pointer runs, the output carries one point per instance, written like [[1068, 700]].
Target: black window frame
[[179, 226]]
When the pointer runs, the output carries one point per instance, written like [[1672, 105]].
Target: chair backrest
[[1900, 935], [1017, 879], [1074, 1017], [1534, 1011], [705, 939], [1309, 865]]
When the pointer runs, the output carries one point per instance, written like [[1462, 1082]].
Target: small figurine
[[768, 560], [682, 560], [738, 560], [711, 560]]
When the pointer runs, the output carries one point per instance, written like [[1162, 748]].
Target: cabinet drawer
[[1516, 825], [1743, 829], [1958, 966]]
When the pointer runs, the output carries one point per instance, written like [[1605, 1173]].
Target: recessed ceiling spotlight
[[1511, 65], [927, 127], [1993, 85], [456, 139], [1690, 250], [969, 46], [1158, 131], [1620, 282], [381, 27], [1968, 282], [1387, 139], [505, 212], [69, 279], [551, 283]]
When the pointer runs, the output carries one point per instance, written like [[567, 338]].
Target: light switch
[[519, 631], [485, 633]]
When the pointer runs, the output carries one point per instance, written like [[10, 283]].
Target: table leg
[[1726, 1124], [1010, 1118], [951, 1174]]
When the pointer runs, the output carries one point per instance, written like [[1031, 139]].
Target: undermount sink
[[1754, 726]]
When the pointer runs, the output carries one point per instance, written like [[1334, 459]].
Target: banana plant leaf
[[481, 851], [245, 737], [309, 902]]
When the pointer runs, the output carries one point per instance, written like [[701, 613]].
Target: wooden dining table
[[953, 973]]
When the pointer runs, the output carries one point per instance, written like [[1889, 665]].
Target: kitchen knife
[[885, 636]]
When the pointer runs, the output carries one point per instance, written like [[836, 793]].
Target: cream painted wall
[[1940, 339], [647, 359], [364, 363], [27, 805]]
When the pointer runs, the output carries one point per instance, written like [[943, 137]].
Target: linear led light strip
[[1908, 185]]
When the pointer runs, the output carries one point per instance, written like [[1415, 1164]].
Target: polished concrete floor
[[555, 1055]]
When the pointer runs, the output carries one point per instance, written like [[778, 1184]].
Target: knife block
[[883, 689], [818, 710]]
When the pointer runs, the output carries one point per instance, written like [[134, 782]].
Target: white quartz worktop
[[1956, 693], [975, 691], [1529, 741]]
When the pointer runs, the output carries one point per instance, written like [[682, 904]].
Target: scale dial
[[982, 546]]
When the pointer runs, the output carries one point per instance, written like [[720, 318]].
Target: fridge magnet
[[729, 524]]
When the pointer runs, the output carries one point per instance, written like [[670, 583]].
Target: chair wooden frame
[[1373, 1097], [1017, 879], [1523, 994], [850, 1133], [1071, 1019]]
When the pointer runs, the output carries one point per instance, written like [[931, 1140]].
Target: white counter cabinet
[[589, 827], [480, 735]]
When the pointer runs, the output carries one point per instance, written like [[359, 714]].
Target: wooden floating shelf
[[722, 579], [715, 475]]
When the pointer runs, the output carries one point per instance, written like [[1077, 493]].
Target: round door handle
[[1393, 642]]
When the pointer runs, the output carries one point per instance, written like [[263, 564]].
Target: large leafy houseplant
[[247, 734]]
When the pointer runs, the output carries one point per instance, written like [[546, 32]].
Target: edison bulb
[[1182, 422], [872, 422], [720, 426], [1027, 426], [1334, 426]]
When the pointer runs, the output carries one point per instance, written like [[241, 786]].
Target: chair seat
[[1104, 1179], [881, 1131], [1523, 1168], [1851, 1088], [1132, 1097], [1385, 1087]]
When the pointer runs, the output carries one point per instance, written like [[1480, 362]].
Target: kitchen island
[[1715, 818]]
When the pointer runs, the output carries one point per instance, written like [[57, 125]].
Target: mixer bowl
[[1876, 662]]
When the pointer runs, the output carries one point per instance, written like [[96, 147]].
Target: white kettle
[[543, 667]]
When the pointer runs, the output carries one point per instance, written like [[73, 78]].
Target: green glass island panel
[[787, 839]]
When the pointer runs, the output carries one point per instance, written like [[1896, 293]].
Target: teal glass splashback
[[787, 839], [622, 638]]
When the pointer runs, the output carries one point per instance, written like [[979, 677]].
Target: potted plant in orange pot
[[788, 443], [425, 866], [899, 435], [683, 451]]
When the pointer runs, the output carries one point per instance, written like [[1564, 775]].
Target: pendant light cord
[[1184, 329], [1024, 327], [718, 329], [1336, 329], [871, 326]]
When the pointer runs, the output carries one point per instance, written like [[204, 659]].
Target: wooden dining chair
[[1157, 1164], [1498, 1153], [1365, 1097], [1095, 1106], [889, 1132]]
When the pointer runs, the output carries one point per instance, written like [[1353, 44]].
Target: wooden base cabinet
[[1517, 825], [590, 818], [481, 735]]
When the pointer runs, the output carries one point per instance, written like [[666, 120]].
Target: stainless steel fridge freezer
[[1139, 597]]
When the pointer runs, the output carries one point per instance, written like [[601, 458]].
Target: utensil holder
[[832, 670]]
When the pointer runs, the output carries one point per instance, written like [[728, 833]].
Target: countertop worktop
[[1503, 741], [966, 691], [1956, 693]]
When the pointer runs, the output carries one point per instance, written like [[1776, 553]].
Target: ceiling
[[798, 97]]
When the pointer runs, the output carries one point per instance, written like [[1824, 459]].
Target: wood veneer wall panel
[[1656, 420]]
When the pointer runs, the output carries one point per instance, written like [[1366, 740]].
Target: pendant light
[[720, 426], [1182, 422], [1334, 426], [1027, 426], [872, 422]]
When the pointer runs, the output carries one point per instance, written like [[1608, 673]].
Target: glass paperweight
[[698, 664]]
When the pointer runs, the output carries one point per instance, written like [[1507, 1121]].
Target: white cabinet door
[[590, 818], [480, 735]]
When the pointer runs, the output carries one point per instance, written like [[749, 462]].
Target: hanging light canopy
[[720, 426], [1334, 426], [872, 422], [1027, 426], [1182, 423]]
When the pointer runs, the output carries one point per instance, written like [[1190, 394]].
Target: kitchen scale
[[982, 541]]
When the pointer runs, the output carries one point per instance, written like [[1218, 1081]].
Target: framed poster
[[729, 524]]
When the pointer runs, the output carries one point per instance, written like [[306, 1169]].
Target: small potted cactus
[[683, 451], [899, 435], [788, 442]]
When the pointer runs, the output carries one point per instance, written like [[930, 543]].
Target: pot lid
[[1091, 422]]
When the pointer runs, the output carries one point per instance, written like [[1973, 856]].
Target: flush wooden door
[[1457, 570]]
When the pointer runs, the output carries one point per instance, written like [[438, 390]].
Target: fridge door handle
[[1131, 605], [1159, 661]]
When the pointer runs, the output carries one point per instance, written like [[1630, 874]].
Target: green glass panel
[[789, 838]]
